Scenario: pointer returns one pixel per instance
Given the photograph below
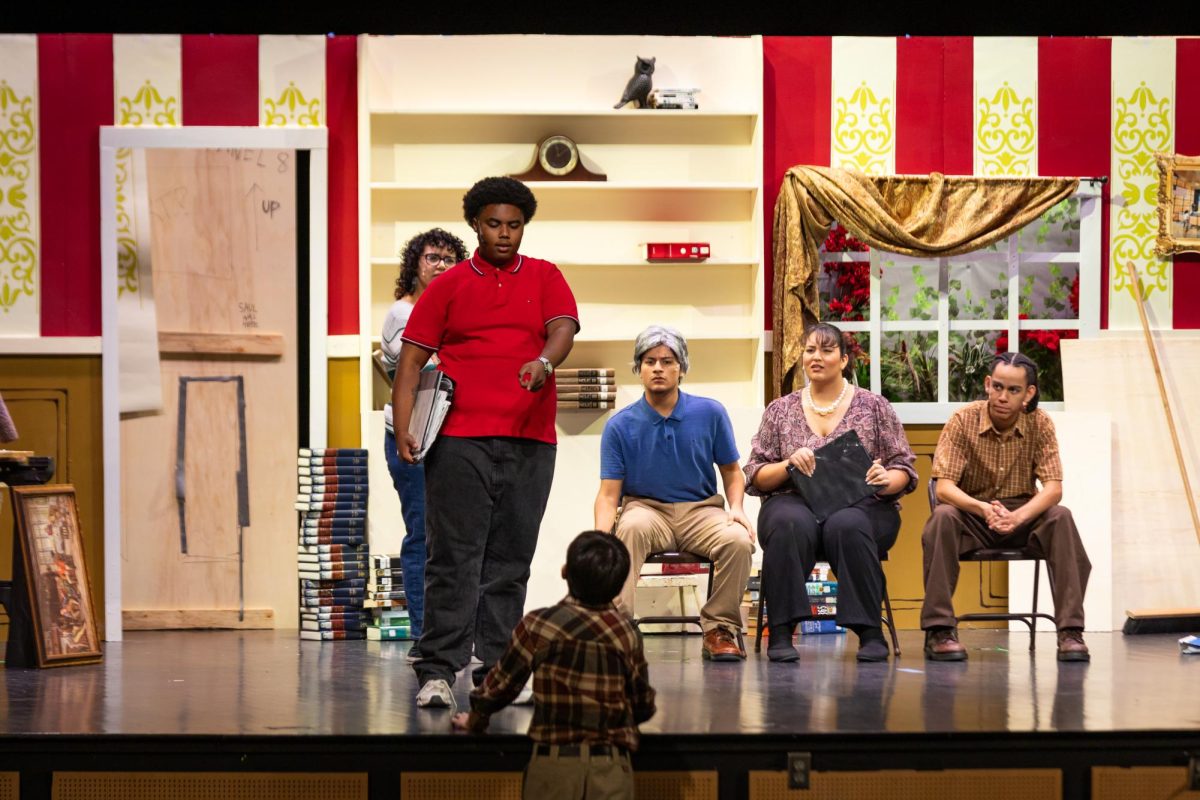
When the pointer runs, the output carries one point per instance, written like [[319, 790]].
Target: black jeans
[[850, 540], [484, 500]]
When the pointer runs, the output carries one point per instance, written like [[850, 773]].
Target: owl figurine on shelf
[[638, 88]]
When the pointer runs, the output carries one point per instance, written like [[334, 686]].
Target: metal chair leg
[[762, 601], [888, 620], [1037, 582]]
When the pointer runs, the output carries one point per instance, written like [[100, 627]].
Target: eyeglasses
[[433, 259]]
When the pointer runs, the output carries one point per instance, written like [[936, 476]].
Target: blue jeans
[[409, 480]]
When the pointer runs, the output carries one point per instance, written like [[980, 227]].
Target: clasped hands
[[1000, 519], [805, 460]]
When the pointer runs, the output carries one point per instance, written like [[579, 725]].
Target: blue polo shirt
[[669, 459]]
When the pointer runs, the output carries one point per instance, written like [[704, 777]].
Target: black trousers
[[484, 501], [851, 540]]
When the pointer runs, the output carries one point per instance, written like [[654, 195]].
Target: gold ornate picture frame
[[1178, 204], [60, 593]]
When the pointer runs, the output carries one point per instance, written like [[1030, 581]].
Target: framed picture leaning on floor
[[60, 596]]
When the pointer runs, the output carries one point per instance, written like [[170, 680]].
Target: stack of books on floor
[[822, 597], [385, 599], [586, 388], [750, 601], [332, 543]]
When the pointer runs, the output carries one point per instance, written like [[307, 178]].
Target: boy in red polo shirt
[[500, 322]]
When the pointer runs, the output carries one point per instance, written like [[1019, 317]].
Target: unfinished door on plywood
[[223, 260]]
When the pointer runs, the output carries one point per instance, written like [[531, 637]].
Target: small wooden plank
[[160, 619], [227, 344], [15, 455], [1157, 613]]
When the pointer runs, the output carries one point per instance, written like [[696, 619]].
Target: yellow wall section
[[344, 426], [55, 403]]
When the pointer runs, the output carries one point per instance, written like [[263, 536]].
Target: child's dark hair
[[597, 565], [410, 257], [830, 336], [1031, 376], [498, 191]]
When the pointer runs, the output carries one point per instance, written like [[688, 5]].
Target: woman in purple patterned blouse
[[851, 539]]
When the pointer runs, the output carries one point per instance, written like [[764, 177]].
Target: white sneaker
[[525, 698], [435, 694]]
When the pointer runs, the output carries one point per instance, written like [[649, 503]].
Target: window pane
[[978, 289], [1043, 348], [1049, 291], [1056, 231], [908, 366], [844, 286], [909, 287], [860, 351], [971, 354]]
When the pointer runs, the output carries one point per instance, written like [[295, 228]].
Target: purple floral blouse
[[784, 429]]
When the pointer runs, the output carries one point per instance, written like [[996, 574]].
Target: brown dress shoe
[[1071, 646], [721, 645], [941, 644]]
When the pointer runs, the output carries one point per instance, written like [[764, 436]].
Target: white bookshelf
[[432, 122]]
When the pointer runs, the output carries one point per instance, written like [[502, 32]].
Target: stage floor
[[266, 683]]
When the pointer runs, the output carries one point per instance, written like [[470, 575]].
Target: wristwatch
[[546, 363]]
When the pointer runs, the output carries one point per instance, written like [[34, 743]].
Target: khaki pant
[[951, 532], [648, 526], [578, 777]]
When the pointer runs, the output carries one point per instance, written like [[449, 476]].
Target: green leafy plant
[[908, 367]]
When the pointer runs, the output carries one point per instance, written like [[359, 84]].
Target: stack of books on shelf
[[385, 599], [332, 543], [586, 388], [822, 597]]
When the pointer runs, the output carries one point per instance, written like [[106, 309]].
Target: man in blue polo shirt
[[658, 454]]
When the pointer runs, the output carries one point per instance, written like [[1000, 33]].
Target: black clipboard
[[839, 480]]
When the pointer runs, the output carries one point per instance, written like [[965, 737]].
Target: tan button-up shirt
[[989, 465]]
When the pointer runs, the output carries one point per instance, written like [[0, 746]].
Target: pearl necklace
[[829, 409]]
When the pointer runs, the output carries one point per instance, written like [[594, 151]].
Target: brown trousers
[[950, 532], [578, 777]]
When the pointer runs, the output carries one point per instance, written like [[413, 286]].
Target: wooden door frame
[[316, 142]]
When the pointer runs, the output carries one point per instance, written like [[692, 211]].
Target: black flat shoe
[[873, 650]]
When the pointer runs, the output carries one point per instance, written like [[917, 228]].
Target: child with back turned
[[590, 681]]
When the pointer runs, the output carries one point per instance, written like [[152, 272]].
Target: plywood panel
[[980, 784], [1155, 553], [208, 786], [223, 239], [1141, 783]]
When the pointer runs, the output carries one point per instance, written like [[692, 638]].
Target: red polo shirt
[[485, 322]]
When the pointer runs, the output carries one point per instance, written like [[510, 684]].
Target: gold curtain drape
[[914, 215]]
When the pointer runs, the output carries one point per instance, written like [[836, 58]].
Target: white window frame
[[1088, 323]]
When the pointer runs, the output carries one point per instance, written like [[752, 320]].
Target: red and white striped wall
[[959, 105], [56, 91], [1002, 106]]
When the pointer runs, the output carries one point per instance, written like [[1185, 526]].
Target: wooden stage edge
[[258, 702]]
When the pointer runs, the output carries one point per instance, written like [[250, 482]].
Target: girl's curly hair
[[410, 257]]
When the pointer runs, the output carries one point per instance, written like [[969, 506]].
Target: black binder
[[840, 479]]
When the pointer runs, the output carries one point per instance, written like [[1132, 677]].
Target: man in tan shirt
[[988, 457]]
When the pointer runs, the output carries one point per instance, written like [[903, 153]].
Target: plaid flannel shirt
[[590, 679]]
